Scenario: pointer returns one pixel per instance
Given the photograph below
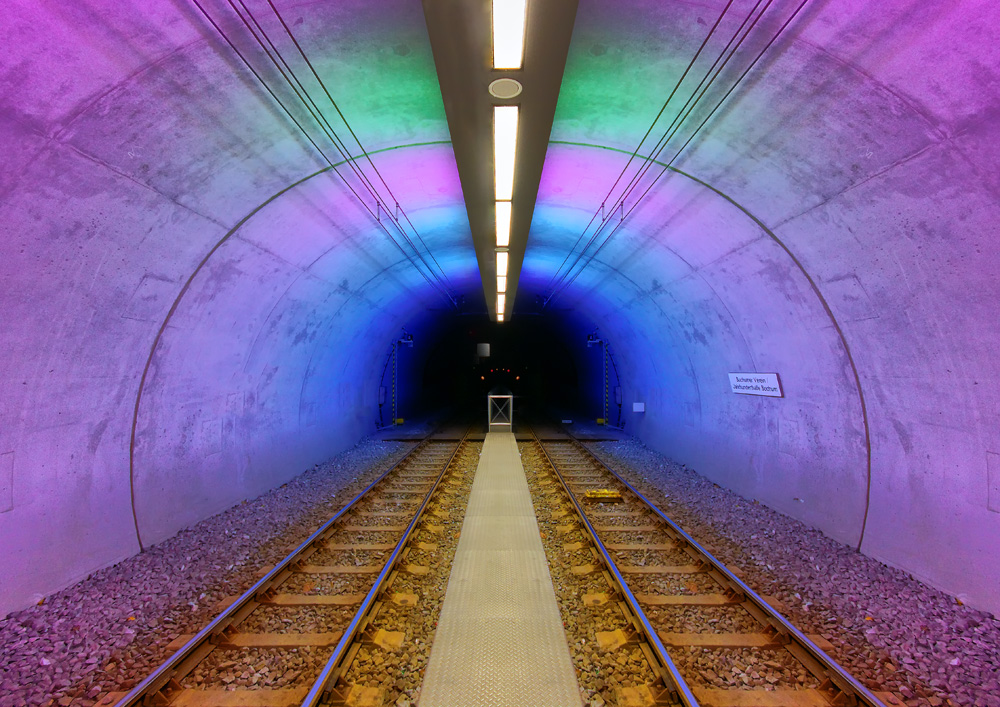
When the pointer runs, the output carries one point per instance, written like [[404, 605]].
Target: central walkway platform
[[500, 639]]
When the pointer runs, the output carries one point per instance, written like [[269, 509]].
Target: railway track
[[291, 638], [325, 625], [710, 639]]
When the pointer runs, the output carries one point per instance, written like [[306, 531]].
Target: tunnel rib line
[[364, 152], [347, 159], [176, 303], [692, 103], [302, 93], [649, 130], [823, 301], [667, 136], [312, 107]]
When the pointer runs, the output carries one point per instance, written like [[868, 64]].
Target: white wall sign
[[756, 384]]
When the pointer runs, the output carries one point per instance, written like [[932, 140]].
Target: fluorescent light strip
[[504, 148], [501, 263], [499, 317], [508, 33], [501, 301], [501, 283], [503, 224]]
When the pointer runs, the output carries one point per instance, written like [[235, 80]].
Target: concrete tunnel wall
[[833, 224], [836, 225], [153, 185]]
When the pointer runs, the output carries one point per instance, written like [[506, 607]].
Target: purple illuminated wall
[[834, 223], [162, 216]]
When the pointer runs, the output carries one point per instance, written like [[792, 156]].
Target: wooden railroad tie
[[626, 547], [763, 641], [314, 599], [662, 569], [265, 640], [627, 528], [600, 513], [375, 547], [686, 600], [339, 569], [218, 697], [373, 528], [781, 697]]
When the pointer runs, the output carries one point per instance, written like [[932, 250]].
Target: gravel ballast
[[600, 673], [400, 673], [891, 631], [109, 631]]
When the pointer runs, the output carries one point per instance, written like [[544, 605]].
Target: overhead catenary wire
[[692, 102], [635, 152], [671, 130], [566, 280], [320, 117], [295, 83], [364, 152], [431, 277], [711, 74]]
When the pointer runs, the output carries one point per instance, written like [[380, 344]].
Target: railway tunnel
[[239, 237]]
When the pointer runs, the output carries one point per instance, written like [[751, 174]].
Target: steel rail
[[160, 677], [835, 672], [332, 671], [669, 673]]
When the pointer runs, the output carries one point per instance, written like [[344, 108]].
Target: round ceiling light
[[505, 88]]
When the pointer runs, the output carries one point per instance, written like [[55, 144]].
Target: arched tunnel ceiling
[[196, 306]]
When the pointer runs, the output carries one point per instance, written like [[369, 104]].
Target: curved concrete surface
[[196, 306]]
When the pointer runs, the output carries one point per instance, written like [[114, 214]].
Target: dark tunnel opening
[[527, 356]]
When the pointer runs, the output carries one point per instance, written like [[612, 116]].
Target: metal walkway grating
[[500, 639]]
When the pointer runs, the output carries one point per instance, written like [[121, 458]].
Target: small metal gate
[[500, 411]]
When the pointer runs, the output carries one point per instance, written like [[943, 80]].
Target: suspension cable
[[692, 102], [315, 145], [638, 147], [364, 152], [667, 166], [293, 81]]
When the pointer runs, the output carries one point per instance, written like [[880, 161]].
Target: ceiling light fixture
[[508, 33], [503, 224], [501, 283], [501, 301], [499, 317], [504, 148], [505, 88], [501, 263]]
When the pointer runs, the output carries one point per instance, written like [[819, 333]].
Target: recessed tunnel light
[[501, 263], [501, 283], [501, 302], [508, 33], [504, 149], [503, 223], [499, 317], [505, 88]]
